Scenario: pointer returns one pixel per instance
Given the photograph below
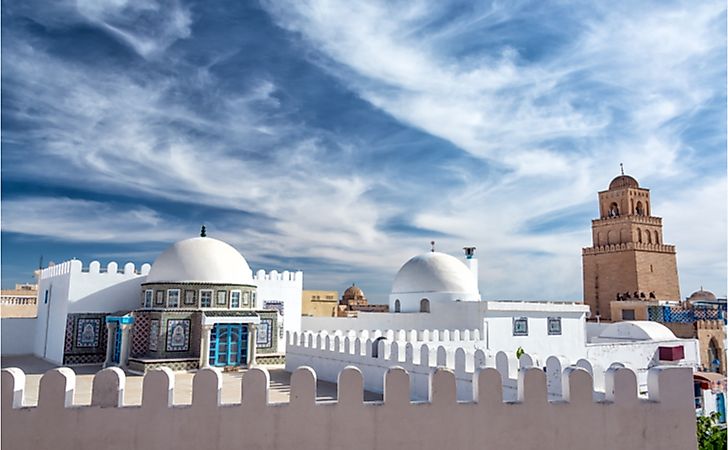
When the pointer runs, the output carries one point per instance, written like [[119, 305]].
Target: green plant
[[519, 351], [710, 435]]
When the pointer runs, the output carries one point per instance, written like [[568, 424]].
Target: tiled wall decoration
[[264, 333], [87, 332], [140, 334], [153, 334], [178, 335]]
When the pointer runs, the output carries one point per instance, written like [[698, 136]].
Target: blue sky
[[339, 138]]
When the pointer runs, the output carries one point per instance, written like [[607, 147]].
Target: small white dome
[[200, 260], [638, 330], [434, 272]]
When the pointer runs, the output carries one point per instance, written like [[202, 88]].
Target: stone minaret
[[627, 258]]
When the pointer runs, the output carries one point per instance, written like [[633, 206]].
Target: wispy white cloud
[[623, 84], [148, 27], [616, 91]]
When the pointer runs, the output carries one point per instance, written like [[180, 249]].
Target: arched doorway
[[424, 305]]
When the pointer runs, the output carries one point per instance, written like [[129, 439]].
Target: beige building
[[319, 303], [628, 259], [19, 302]]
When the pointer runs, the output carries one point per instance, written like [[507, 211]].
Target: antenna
[[621, 168], [203, 231], [432, 243], [40, 262]]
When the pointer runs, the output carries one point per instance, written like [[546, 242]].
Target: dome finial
[[203, 231], [621, 168], [432, 243]]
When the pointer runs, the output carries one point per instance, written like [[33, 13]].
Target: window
[[160, 298], [397, 306], [520, 326], [252, 303], [172, 298], [628, 314], [424, 305], [246, 298], [205, 298], [148, 298], [554, 325], [189, 297], [221, 297], [235, 299]]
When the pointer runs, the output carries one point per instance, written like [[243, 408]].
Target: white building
[[192, 287], [436, 303]]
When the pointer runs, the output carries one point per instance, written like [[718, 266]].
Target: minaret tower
[[628, 259]]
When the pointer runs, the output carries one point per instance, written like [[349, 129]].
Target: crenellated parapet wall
[[710, 324], [94, 268], [659, 248], [420, 351], [274, 275], [664, 421]]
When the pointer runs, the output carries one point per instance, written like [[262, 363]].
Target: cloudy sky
[[339, 138]]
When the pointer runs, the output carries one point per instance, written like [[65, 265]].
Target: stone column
[[124, 353], [110, 334], [252, 334], [205, 346]]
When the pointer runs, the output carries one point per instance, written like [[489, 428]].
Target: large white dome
[[434, 272], [200, 260]]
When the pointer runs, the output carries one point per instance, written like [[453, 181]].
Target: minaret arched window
[[613, 210], [657, 237], [639, 210], [639, 235]]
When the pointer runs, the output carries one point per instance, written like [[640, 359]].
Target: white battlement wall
[[664, 421], [285, 287], [70, 288], [463, 351]]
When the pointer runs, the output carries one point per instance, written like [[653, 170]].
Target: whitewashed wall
[[666, 421], [73, 290], [640, 355], [286, 287], [17, 335]]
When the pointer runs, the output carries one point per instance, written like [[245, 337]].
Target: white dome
[[638, 330], [434, 272], [200, 260]]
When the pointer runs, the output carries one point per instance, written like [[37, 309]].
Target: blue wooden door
[[228, 345]]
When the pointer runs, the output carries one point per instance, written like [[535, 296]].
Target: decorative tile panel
[[87, 332], [153, 334], [178, 335], [264, 333]]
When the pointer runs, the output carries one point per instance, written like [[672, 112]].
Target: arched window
[[714, 354], [657, 237], [639, 235], [647, 208], [639, 210], [631, 207], [424, 305], [648, 236], [613, 210], [397, 306]]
